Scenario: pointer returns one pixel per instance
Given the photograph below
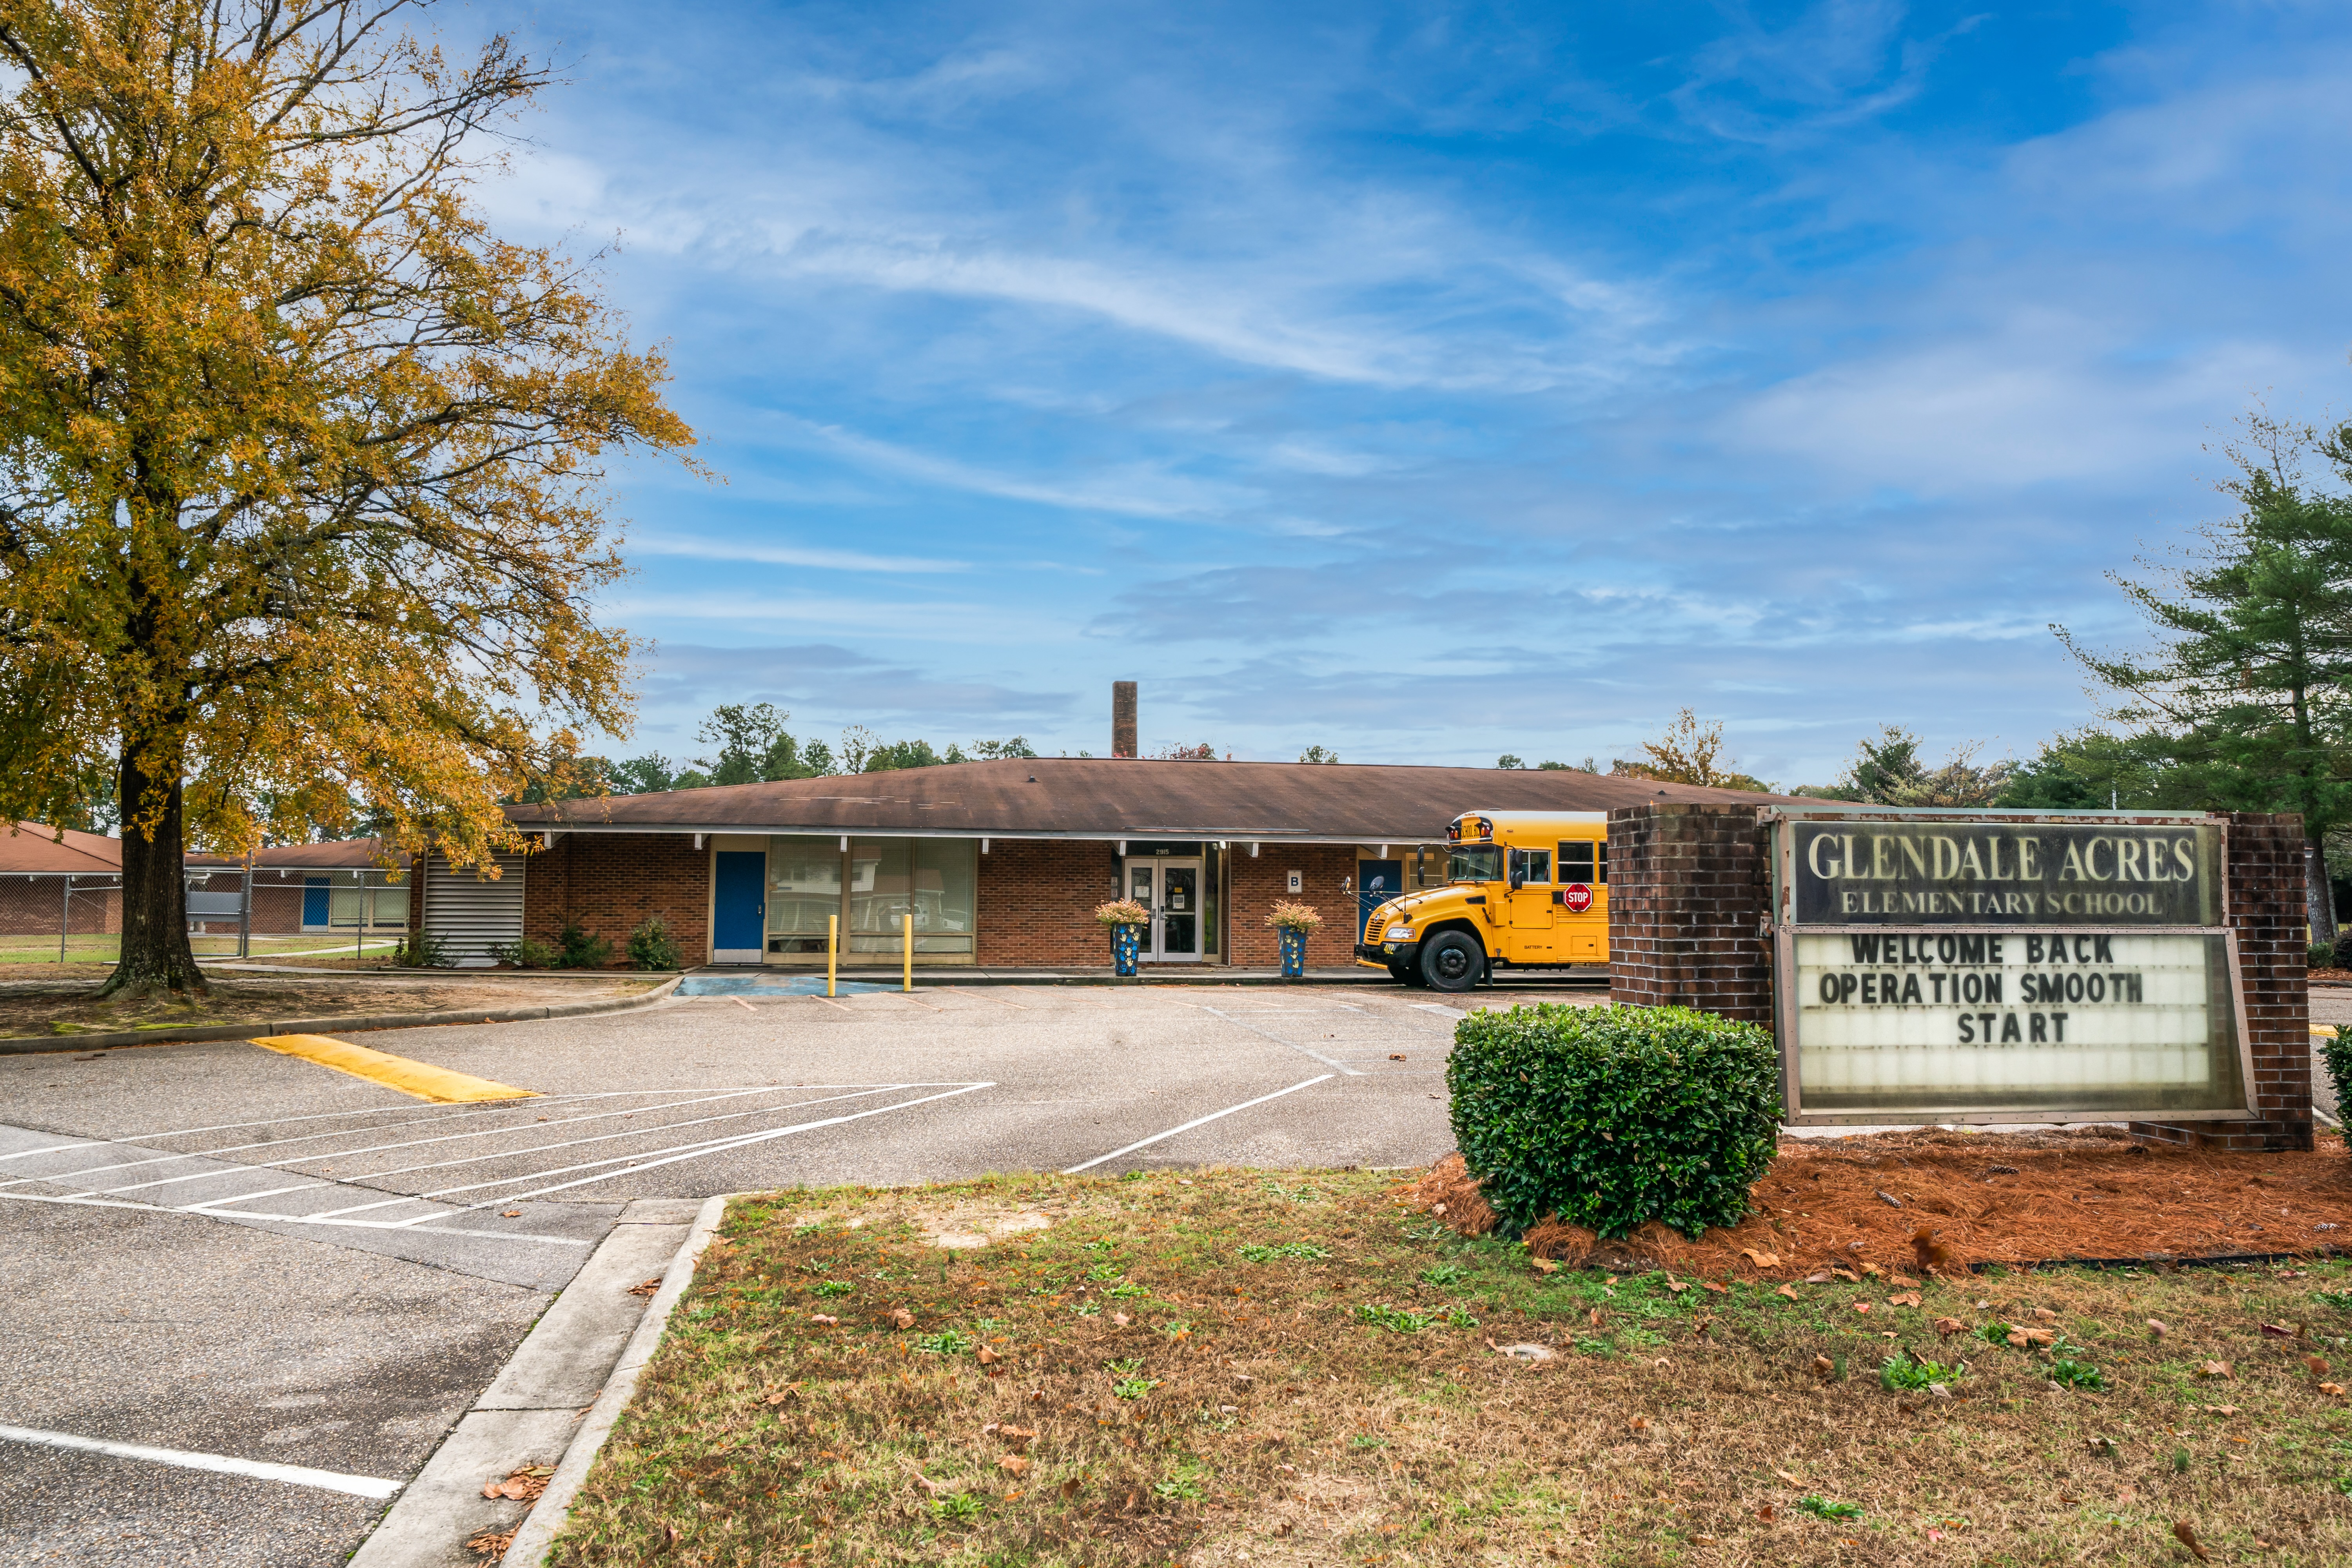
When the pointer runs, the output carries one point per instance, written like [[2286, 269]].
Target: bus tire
[[1451, 960], [1405, 975]]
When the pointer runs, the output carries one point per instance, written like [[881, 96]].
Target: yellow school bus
[[1523, 889]]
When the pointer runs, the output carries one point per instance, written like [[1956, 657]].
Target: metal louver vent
[[471, 914]]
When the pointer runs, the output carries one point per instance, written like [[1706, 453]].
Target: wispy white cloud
[[752, 553], [1138, 489]]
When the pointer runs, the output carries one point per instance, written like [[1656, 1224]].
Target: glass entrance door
[[1170, 888]]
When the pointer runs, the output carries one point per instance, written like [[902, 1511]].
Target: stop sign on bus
[[1577, 897]]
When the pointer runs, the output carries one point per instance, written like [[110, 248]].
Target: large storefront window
[[803, 889], [935, 877]]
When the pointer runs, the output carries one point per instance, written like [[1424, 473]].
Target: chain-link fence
[[53, 917]]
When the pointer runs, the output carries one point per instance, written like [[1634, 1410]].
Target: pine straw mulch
[[1931, 1199]]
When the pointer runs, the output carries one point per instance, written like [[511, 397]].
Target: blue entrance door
[[739, 907], [1383, 880]]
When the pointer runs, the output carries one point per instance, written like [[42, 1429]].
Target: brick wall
[[611, 883], [1256, 881], [2266, 910], [1036, 903], [1688, 887]]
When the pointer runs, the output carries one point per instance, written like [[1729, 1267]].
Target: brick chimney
[[1122, 718]]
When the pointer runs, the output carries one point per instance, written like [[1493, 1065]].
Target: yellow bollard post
[[832, 949], [907, 922]]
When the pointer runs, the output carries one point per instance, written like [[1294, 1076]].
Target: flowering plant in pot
[[1291, 922], [1125, 919]]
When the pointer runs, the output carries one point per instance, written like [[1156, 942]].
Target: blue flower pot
[[1293, 952], [1126, 942]]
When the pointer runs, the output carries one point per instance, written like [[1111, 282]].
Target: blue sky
[[1428, 383]]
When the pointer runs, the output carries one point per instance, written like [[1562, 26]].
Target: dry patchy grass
[[1294, 1369]]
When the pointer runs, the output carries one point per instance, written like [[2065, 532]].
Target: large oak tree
[[301, 499]]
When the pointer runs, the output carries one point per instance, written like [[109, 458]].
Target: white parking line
[[1198, 1121], [646, 1161], [1277, 1039], [261, 1469]]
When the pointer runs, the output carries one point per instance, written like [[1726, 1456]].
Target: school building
[[1001, 862]]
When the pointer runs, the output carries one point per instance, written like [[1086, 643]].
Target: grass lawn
[[106, 950], [1292, 1368]]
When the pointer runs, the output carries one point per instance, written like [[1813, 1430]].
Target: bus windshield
[[1474, 863]]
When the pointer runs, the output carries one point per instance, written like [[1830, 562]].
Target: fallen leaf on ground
[[1070, 1488], [1948, 1326], [2157, 1328], [930, 1485], [1790, 1479], [2214, 1369], [1847, 1275], [1907, 1299], [988, 1357], [1639, 1424], [2331, 1388], [1711, 1285], [491, 1543], [1788, 1290], [1543, 1265], [2041, 1337], [528, 1484], [2186, 1533], [1396, 1055], [1765, 1513], [2016, 1338], [825, 1319], [1823, 1367], [2221, 1410], [510, 1214], [2045, 1314], [647, 1289], [1012, 1464], [1017, 1435], [2278, 1332], [1761, 1259], [1677, 1286], [1817, 1277], [902, 1317], [1871, 1271], [2315, 1365], [1862, 1306], [1122, 1319]]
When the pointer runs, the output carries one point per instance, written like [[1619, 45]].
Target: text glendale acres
[[1999, 872]]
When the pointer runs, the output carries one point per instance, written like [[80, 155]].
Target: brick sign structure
[[2099, 967]]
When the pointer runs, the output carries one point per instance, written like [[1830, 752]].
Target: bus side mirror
[[1517, 879]]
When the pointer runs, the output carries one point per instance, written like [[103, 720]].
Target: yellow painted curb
[[2328, 1030], [438, 1084]]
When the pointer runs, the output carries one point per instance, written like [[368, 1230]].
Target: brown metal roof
[[1072, 797], [36, 847]]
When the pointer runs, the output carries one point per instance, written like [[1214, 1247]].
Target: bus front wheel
[[1451, 960]]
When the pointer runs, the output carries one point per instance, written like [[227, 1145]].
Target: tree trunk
[[155, 952], [2318, 898]]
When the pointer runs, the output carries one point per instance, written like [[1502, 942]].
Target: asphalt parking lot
[[222, 1250]]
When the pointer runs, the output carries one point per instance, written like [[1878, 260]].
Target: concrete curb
[[547, 1516], [362, 1024]]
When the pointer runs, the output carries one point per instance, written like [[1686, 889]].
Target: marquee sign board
[[1997, 968]]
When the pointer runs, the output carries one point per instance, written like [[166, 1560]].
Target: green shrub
[[2320, 955], [581, 951], [2336, 1051], [651, 947], [424, 950], [528, 953], [1610, 1117]]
